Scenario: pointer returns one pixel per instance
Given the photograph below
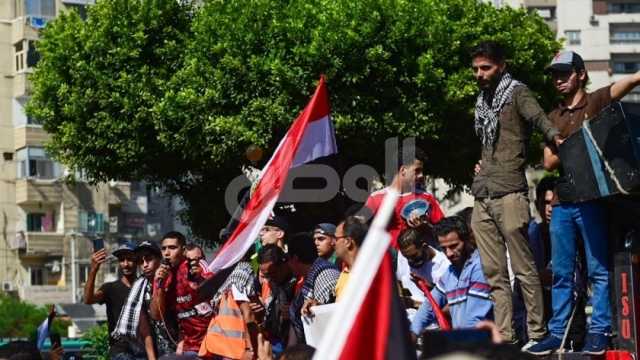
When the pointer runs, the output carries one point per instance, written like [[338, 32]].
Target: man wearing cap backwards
[[324, 238], [572, 220], [114, 294], [504, 114], [319, 277]]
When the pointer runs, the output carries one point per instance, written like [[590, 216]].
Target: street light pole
[[73, 268]]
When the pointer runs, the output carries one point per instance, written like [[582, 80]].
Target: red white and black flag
[[310, 137], [370, 321]]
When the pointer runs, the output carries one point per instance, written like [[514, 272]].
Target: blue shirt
[[466, 292]]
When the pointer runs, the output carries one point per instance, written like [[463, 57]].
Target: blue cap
[[123, 247], [325, 229]]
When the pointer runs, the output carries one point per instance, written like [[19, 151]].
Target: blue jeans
[[568, 221]]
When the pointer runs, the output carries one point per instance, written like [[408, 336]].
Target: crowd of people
[[491, 266]]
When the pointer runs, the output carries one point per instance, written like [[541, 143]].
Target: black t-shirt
[[115, 296]]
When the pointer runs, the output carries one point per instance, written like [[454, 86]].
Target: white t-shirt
[[431, 270]]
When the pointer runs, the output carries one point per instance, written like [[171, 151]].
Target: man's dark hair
[[271, 253], [491, 50], [453, 224], [412, 236], [298, 352], [182, 240], [547, 183], [408, 154], [356, 228], [302, 245]]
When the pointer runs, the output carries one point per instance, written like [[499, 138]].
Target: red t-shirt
[[420, 201], [193, 318]]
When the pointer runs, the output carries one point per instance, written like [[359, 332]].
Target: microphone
[[166, 262]]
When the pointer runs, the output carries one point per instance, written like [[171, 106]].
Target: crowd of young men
[[177, 308]]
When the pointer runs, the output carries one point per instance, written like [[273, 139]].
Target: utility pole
[[74, 280]]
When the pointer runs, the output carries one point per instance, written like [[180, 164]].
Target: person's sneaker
[[545, 346], [595, 344], [529, 344]]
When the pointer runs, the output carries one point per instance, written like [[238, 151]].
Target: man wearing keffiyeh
[[505, 112]]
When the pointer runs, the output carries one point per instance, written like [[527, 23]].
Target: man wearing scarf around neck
[[505, 112]]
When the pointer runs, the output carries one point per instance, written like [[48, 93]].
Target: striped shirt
[[466, 292]]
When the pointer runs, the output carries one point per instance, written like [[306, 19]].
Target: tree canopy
[[173, 94]]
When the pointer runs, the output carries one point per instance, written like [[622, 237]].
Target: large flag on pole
[[310, 137], [370, 321]]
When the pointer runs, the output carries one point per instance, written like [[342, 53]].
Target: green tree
[[98, 338], [21, 319], [144, 91]]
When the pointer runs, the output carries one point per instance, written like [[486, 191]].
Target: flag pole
[[365, 268]]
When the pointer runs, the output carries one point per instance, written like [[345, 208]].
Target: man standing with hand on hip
[[504, 114]]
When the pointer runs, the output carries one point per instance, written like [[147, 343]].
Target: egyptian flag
[[310, 137], [370, 321]]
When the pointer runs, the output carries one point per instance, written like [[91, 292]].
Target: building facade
[[47, 223], [606, 33]]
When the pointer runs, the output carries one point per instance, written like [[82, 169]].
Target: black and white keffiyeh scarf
[[486, 123], [130, 315], [242, 277]]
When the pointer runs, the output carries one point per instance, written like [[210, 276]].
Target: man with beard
[[463, 286], [504, 114], [114, 295]]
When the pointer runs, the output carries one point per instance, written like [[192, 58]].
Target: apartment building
[[606, 33], [47, 223]]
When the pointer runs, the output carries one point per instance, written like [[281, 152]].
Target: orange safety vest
[[227, 335]]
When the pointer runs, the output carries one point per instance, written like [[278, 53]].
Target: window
[[34, 163], [26, 55], [20, 53], [91, 222], [547, 13], [624, 33], [40, 8], [37, 276], [573, 37], [81, 10], [625, 63], [84, 273], [624, 7], [41, 222]]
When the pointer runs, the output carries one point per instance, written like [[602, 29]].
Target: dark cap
[[151, 246], [565, 61], [279, 222], [325, 229], [123, 248]]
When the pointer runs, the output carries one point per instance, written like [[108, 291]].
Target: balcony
[[30, 191], [45, 294], [32, 135], [119, 193], [21, 84], [44, 243]]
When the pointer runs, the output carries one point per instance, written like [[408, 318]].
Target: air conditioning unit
[[593, 20], [7, 286], [54, 266]]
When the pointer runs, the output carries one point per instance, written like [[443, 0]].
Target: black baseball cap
[[565, 61], [279, 222], [151, 246]]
